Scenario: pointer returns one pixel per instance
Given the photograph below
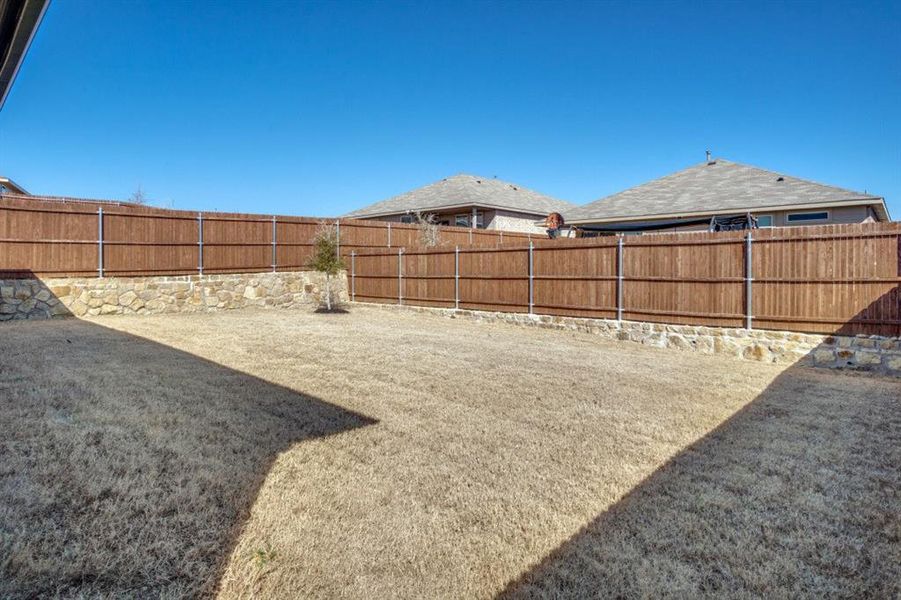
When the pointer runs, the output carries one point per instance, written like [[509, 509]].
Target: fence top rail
[[442, 250], [834, 236]]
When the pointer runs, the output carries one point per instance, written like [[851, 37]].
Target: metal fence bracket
[[338, 238], [200, 244], [400, 276], [353, 276], [620, 278], [749, 283], [457, 277], [274, 251], [100, 241], [531, 277]]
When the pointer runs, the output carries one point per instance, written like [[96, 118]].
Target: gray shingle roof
[[466, 190], [720, 185]]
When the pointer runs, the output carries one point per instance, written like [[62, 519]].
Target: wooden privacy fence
[[91, 238], [826, 279]]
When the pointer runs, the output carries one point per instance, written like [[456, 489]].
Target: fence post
[[338, 239], [200, 243], [502, 238], [619, 278], [100, 241], [749, 278], [389, 235], [400, 276], [531, 277], [457, 277], [353, 276], [470, 237], [274, 252]]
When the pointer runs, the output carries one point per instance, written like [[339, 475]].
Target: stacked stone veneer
[[862, 353], [47, 298]]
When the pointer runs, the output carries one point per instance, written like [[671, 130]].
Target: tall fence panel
[[376, 278], [827, 279], [136, 244], [360, 236], [59, 237], [843, 279], [294, 242], [428, 277], [236, 245], [684, 279], [52, 241], [576, 280], [495, 279]]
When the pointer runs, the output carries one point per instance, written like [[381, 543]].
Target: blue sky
[[319, 108]]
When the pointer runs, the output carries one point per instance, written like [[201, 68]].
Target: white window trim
[[788, 216]]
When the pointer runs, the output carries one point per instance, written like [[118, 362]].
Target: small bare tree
[[138, 197], [325, 257], [429, 232]]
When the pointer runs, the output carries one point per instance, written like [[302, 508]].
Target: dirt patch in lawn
[[385, 454]]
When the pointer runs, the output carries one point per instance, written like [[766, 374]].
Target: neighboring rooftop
[[466, 190], [8, 186], [718, 186], [19, 20]]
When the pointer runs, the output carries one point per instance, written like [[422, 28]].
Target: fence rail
[[842, 278], [53, 237]]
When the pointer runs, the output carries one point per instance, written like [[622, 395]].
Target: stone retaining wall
[[861, 353], [58, 297]]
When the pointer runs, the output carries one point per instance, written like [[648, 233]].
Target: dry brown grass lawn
[[388, 454]]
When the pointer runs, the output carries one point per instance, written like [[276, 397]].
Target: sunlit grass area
[[387, 454]]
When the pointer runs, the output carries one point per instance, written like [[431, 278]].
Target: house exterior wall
[[837, 216], [503, 220], [506, 220], [443, 218]]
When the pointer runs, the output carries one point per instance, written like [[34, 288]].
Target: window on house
[[807, 216], [406, 219], [764, 220], [480, 220], [461, 220]]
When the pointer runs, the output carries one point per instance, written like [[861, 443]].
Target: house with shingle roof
[[8, 186], [469, 201], [689, 199]]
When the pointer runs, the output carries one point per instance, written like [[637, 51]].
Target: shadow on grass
[[331, 311], [128, 467], [787, 498]]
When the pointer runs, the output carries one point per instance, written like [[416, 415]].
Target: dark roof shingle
[[466, 190], [719, 185]]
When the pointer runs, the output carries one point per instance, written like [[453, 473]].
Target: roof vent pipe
[[708, 157]]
